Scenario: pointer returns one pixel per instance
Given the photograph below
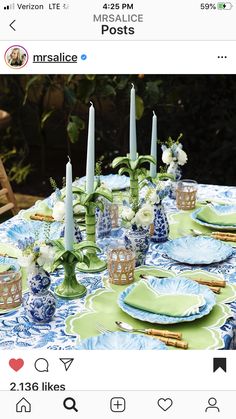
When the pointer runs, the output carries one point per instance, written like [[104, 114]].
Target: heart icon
[[16, 364], [165, 404]]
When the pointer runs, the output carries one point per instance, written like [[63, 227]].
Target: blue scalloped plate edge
[[132, 340], [114, 182], [161, 319], [213, 226], [228, 250]]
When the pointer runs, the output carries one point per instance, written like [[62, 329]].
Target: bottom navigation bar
[[138, 404]]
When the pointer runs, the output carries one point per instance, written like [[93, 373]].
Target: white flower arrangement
[[167, 156], [58, 211], [34, 256], [142, 218], [127, 214], [173, 153], [155, 195], [77, 208], [58, 203]]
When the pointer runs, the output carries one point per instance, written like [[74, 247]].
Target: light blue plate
[[11, 262], [121, 340], [113, 182], [199, 250], [223, 209], [175, 285], [38, 230]]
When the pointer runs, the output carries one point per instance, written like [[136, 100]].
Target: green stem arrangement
[[90, 222], [90, 202], [134, 168], [70, 287], [134, 190]]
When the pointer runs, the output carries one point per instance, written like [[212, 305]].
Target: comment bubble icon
[[41, 365]]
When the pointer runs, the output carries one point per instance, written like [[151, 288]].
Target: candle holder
[[145, 178], [134, 168], [70, 287], [90, 202]]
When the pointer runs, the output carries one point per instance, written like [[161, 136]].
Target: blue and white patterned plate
[[223, 209], [113, 182], [38, 230], [199, 250], [121, 341], [175, 285]]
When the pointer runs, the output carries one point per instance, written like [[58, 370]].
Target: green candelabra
[[134, 168], [70, 287], [145, 177], [90, 201]]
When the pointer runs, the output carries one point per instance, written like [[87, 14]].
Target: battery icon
[[224, 6]]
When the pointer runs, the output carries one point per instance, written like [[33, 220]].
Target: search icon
[[70, 404]]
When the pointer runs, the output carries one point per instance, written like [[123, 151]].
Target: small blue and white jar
[[137, 239], [103, 221], [175, 170], [77, 233], [39, 303], [161, 225]]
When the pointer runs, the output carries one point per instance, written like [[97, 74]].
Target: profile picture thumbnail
[[16, 56]]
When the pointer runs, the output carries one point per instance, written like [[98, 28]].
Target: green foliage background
[[50, 115]]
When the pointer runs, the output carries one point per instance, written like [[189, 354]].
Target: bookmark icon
[[219, 363]]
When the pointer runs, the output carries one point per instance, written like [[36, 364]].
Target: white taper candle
[[90, 166], [153, 167], [69, 219]]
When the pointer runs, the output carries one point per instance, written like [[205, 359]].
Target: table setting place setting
[[131, 260]]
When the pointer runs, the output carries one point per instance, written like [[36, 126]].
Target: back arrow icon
[[12, 24]]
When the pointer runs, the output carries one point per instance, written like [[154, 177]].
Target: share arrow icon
[[67, 362]]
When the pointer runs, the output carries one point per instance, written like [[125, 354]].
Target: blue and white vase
[[137, 239], [77, 232], [103, 221], [39, 303], [175, 170], [161, 224]]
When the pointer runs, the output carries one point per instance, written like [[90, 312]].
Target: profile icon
[[212, 402], [16, 56]]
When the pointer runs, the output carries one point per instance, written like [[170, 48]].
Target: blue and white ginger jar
[[161, 224], [39, 303], [175, 170], [103, 221], [77, 233], [137, 239]]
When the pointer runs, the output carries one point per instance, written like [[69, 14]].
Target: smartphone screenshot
[[117, 209]]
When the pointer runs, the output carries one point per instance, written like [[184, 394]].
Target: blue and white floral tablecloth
[[16, 331]]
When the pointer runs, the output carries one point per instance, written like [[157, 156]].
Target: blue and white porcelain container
[[103, 221], [161, 224], [78, 234], [175, 170], [39, 303], [137, 239]]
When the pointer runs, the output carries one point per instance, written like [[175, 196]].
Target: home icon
[[23, 406]]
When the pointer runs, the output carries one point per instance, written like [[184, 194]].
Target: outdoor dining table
[[76, 319]]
